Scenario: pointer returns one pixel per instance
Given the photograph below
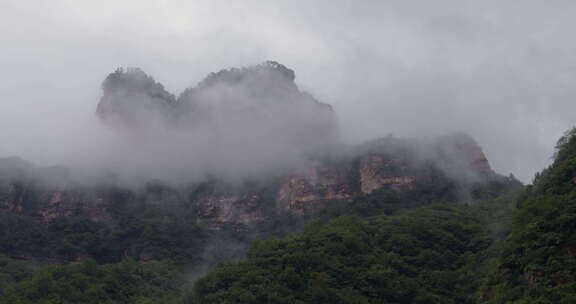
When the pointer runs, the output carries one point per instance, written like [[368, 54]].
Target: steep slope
[[538, 264], [242, 156], [418, 256]]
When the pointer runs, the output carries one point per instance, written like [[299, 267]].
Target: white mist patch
[[237, 123]]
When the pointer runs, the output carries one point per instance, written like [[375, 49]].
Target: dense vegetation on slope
[[67, 239], [391, 242], [88, 282], [531, 261], [418, 256], [156, 237], [538, 264]]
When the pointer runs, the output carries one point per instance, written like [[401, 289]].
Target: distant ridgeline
[[154, 228]]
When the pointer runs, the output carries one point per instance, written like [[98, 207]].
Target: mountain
[[260, 102], [390, 163], [130, 95], [284, 128], [417, 256], [242, 156], [517, 248]]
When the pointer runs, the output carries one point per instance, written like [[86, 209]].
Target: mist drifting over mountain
[[498, 71], [329, 151], [237, 123]]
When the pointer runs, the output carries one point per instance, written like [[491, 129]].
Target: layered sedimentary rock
[[47, 203], [311, 188], [61, 203], [378, 171], [305, 189]]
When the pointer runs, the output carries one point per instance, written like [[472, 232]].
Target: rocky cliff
[[313, 187], [303, 190]]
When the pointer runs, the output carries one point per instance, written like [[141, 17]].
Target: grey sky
[[503, 71]]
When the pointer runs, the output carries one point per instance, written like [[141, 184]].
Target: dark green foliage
[[13, 271], [347, 264], [390, 245], [20, 235], [418, 256], [69, 238], [538, 264], [434, 186], [88, 282]]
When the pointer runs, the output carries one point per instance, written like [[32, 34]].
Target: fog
[[501, 71], [251, 123]]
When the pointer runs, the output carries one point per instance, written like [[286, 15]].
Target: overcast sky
[[502, 71]]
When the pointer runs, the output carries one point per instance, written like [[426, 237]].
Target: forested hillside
[[517, 248], [393, 220], [153, 256], [538, 263], [421, 255]]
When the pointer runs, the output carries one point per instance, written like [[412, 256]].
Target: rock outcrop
[[133, 100], [378, 171], [306, 189], [311, 188], [462, 150], [236, 209], [47, 204], [62, 203]]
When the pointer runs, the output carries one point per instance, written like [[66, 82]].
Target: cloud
[[503, 71], [237, 123]]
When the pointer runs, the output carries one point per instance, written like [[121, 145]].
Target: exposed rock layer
[[306, 189]]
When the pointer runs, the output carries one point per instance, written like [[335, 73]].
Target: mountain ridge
[[329, 171], [85, 234]]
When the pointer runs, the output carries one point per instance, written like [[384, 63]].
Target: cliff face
[[476, 159], [461, 150], [378, 171], [305, 189], [61, 203], [48, 193], [312, 188], [320, 184], [219, 209], [46, 203]]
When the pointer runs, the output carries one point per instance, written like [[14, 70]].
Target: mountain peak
[[261, 72], [131, 97]]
